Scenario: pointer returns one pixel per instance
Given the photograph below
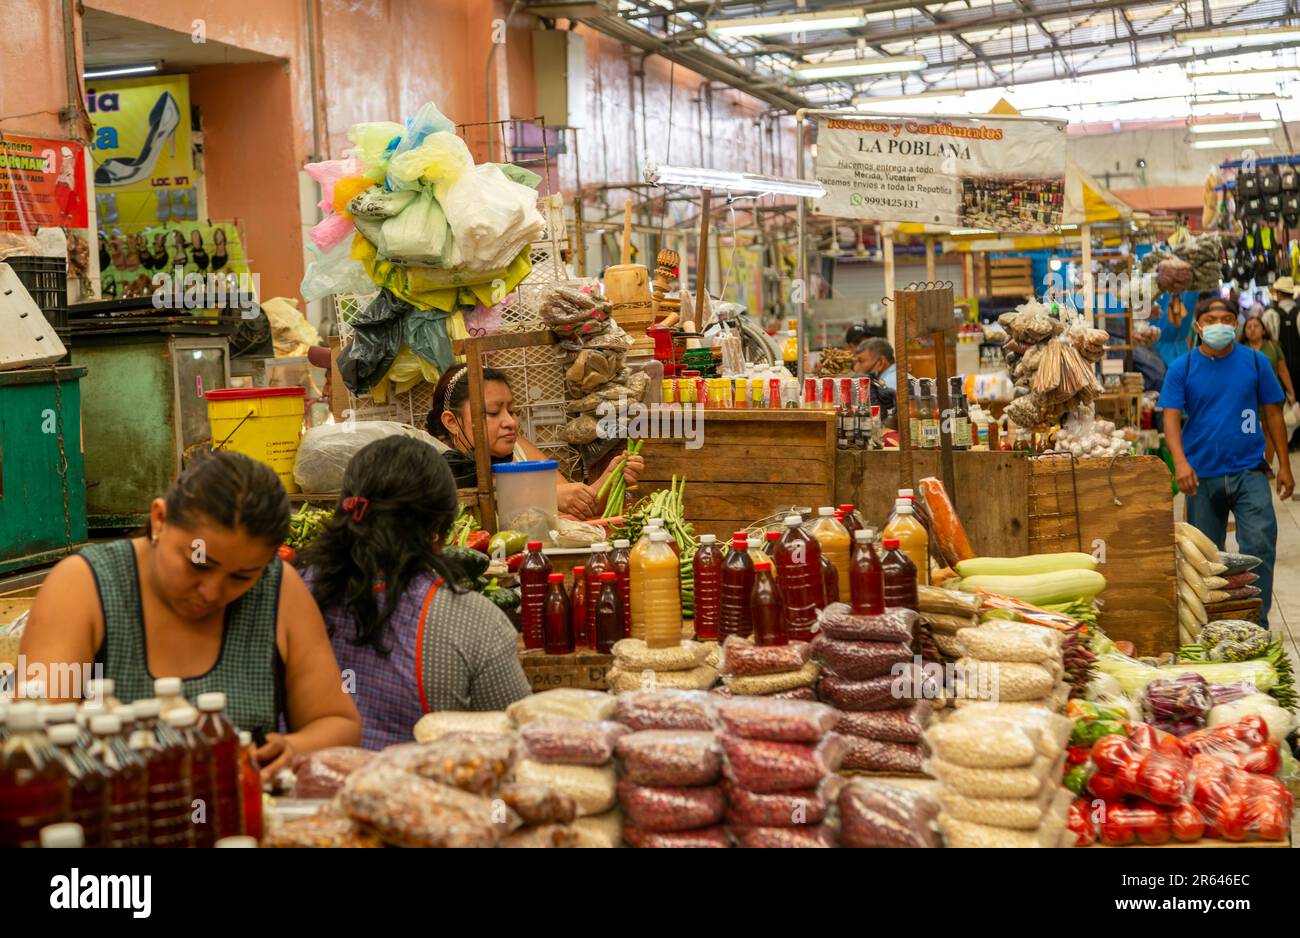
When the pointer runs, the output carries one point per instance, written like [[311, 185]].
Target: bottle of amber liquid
[[767, 610], [169, 776], [557, 617], [250, 783], [223, 737], [184, 721], [128, 799], [88, 782]]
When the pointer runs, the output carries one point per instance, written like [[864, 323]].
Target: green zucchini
[[1061, 586], [1026, 566]]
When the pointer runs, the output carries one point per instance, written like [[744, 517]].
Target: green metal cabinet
[[143, 408], [42, 474]]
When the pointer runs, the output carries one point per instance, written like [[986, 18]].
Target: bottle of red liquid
[[609, 613], [250, 784], [128, 798], [169, 766], [622, 560], [771, 540], [866, 577], [766, 607], [600, 562], [558, 617], [849, 518], [203, 780], [707, 565], [88, 782], [830, 583], [578, 607], [737, 584], [33, 783], [223, 737], [899, 576], [532, 593], [799, 573]]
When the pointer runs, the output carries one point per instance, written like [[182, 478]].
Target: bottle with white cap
[[33, 790], [661, 591], [223, 737], [169, 765], [238, 840], [66, 834], [35, 692], [89, 782], [54, 714], [128, 798], [798, 559], [169, 694], [101, 689], [184, 720], [912, 539], [87, 712], [835, 542]]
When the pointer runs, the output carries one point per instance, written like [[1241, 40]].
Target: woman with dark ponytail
[[204, 597], [406, 635]]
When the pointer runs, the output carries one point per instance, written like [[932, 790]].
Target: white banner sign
[[962, 172]]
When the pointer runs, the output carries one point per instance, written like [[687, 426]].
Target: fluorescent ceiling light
[[869, 100], [1244, 72], [791, 23], [1235, 99], [1238, 37], [1232, 127], [113, 71], [720, 180], [1225, 142], [877, 66]]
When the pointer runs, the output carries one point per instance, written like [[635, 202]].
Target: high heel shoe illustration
[[163, 121]]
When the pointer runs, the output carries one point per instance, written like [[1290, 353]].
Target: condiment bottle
[[771, 539], [128, 799], [250, 784], [830, 584], [622, 560], [203, 776], [33, 783], [101, 689], [910, 533], [835, 542], [558, 617], [929, 415], [578, 608], [899, 576], [737, 586], [598, 563], [534, 570], [169, 772], [223, 737], [168, 691], [852, 523], [636, 570], [707, 566], [88, 782], [798, 564], [609, 613], [866, 577], [661, 587], [766, 607]]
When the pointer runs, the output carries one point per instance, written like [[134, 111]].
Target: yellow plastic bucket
[[262, 423]]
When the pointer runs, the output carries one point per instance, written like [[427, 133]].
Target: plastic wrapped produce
[[323, 829], [599, 832], [564, 702], [996, 783], [665, 710], [874, 755], [933, 599], [623, 682], [671, 809], [441, 723], [781, 838], [321, 774], [1017, 813], [1178, 705], [858, 661], [703, 837], [570, 742], [1255, 646], [964, 835], [897, 726], [1280, 722], [762, 766], [473, 762], [740, 656], [670, 757], [633, 654], [984, 744], [1228, 693], [798, 693], [325, 451], [793, 721], [877, 814], [411, 811], [894, 626], [1011, 641], [1239, 805], [762, 685], [1157, 775], [1003, 681], [774, 809], [1054, 730], [943, 624], [879, 693], [591, 787], [538, 804], [546, 836]]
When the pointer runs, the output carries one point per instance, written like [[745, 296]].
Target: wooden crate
[[752, 464], [584, 670], [1247, 609], [1004, 276]]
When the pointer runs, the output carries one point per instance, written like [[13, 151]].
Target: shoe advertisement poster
[[41, 184], [142, 150], [176, 259]]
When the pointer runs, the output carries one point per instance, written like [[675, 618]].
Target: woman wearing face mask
[[449, 421], [1231, 399], [203, 596]]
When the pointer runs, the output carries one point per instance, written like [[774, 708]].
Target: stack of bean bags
[[688, 666], [1207, 576], [943, 614], [998, 766], [876, 813], [781, 671], [1011, 662]]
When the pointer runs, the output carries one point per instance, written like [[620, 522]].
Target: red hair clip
[[357, 506]]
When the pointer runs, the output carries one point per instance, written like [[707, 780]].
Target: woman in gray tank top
[[203, 597]]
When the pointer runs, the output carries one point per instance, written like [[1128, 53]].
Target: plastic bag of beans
[[600, 831], [624, 682], [547, 835], [792, 721], [473, 762], [323, 829], [878, 693], [571, 742], [874, 813], [671, 809], [895, 625], [1054, 729], [670, 757], [1023, 782], [780, 838], [763, 766], [703, 837], [409, 810], [763, 685], [538, 804], [894, 726], [741, 656], [873, 755], [1011, 641], [565, 702], [665, 710], [985, 744], [858, 661], [590, 787], [775, 809], [321, 774], [632, 654], [798, 693], [441, 723]]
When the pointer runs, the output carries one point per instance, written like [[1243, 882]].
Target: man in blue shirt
[[1219, 455], [875, 357]]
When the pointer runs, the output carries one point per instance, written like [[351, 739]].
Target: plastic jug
[[223, 737], [911, 537], [169, 771], [835, 542], [33, 784], [798, 564], [661, 590], [899, 575], [707, 565], [526, 497]]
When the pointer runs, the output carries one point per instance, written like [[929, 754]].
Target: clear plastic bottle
[[86, 713], [533, 572], [57, 714], [849, 518], [767, 608], [756, 552], [770, 540], [910, 533], [250, 784], [737, 586], [170, 694], [835, 542], [798, 564], [609, 613], [707, 566], [170, 771], [128, 799], [636, 573], [102, 689], [202, 775], [223, 737], [866, 577], [33, 783], [622, 561], [830, 586], [661, 587], [558, 617], [899, 575], [790, 352]]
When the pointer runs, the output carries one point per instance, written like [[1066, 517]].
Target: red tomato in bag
[[1153, 825], [1160, 778], [1080, 823], [1232, 819], [1268, 818], [1262, 760], [1116, 831], [1146, 736], [1266, 786], [1253, 729], [1186, 823], [1209, 793], [1105, 787], [1112, 752], [1127, 777], [1077, 755]]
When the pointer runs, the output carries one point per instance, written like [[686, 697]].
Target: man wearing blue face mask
[[1231, 399]]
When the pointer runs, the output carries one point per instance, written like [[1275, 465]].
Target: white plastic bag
[[418, 233], [492, 218], [325, 451], [335, 271]]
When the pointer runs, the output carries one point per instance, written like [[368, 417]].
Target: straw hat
[[1283, 285]]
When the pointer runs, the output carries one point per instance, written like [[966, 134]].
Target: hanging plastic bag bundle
[[334, 271], [438, 161], [492, 218], [427, 120], [418, 234], [372, 143], [376, 339], [327, 173]]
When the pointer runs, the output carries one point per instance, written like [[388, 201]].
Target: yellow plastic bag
[[370, 142], [439, 160], [345, 190], [442, 289], [407, 370]]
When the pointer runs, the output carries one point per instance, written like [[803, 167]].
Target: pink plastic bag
[[332, 231], [327, 173]]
